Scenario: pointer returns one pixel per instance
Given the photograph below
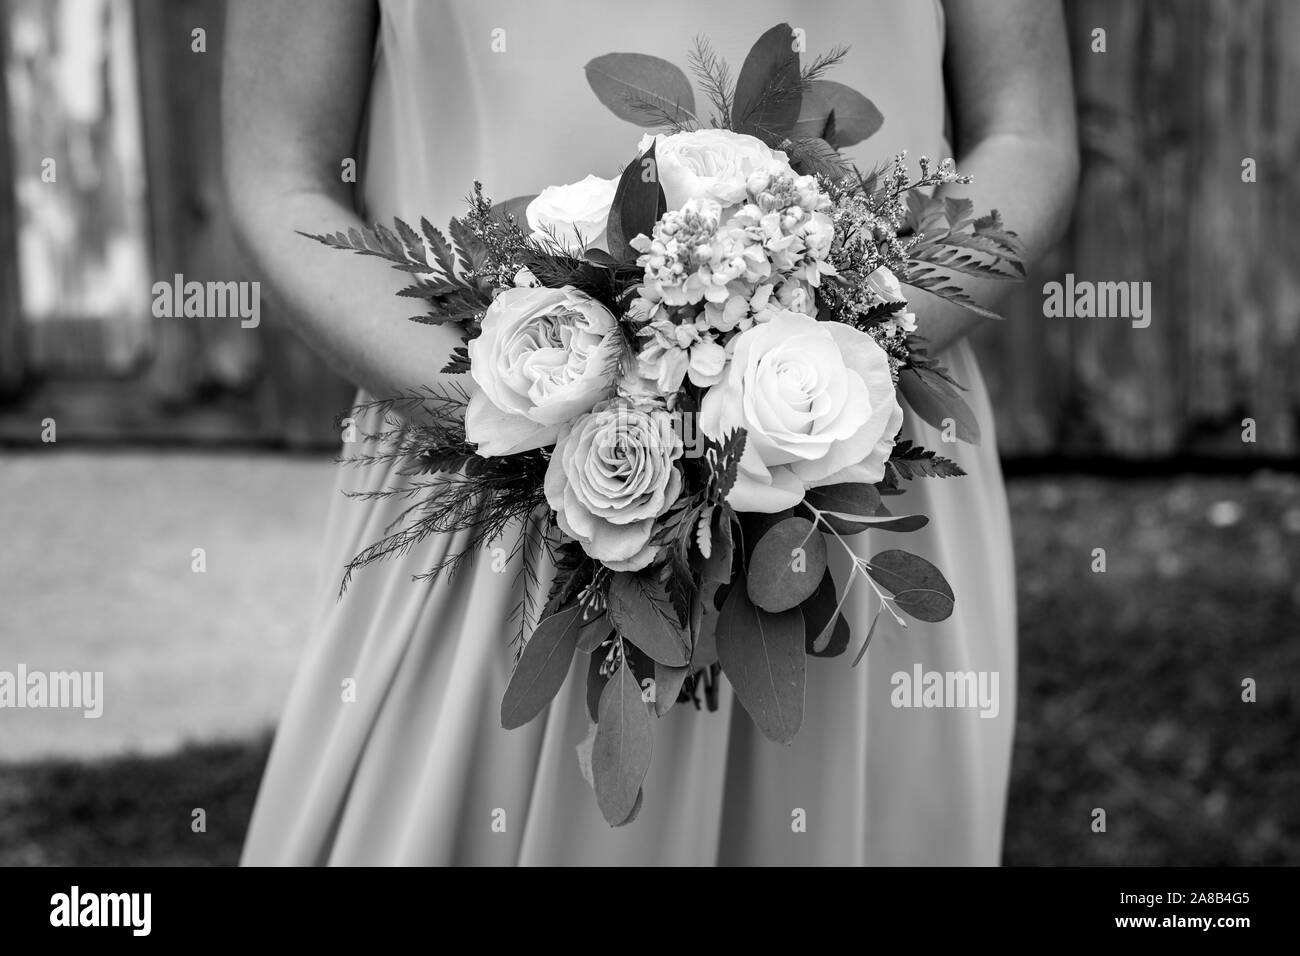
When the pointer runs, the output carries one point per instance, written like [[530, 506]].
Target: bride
[[390, 750]]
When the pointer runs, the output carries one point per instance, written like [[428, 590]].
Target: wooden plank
[[296, 398], [11, 319], [1183, 93]]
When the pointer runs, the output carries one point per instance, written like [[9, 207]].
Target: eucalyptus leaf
[[787, 563], [541, 670], [826, 632], [643, 615], [854, 500], [852, 497], [593, 629], [668, 684], [636, 207], [599, 257], [596, 682], [763, 656], [870, 632], [849, 524], [855, 117], [645, 90], [935, 401], [636, 808], [755, 524], [623, 747], [768, 90], [918, 587], [816, 120]]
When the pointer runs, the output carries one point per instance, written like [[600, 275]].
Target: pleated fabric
[[416, 769]]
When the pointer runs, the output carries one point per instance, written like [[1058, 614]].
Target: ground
[[1131, 679]]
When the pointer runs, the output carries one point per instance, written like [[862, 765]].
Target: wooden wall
[[293, 398], [202, 380], [11, 328], [1184, 92]]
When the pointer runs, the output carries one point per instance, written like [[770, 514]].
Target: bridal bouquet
[[684, 385]]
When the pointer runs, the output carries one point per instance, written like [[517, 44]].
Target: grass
[[1130, 699]]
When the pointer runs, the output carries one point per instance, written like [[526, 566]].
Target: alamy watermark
[[130, 910], [959, 689], [70, 690], [1083, 299], [208, 300]]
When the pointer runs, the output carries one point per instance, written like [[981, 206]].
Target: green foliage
[[951, 240], [764, 658], [774, 581], [623, 747], [816, 157], [459, 363], [826, 632], [723, 460], [769, 89], [440, 275], [908, 461], [449, 488], [574, 571], [836, 113], [644, 615], [918, 587], [932, 396], [714, 77], [638, 204], [542, 668], [643, 89]]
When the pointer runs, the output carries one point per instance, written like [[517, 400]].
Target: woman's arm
[[296, 77], [1012, 100]]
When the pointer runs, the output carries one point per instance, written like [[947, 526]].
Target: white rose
[[612, 474], [544, 357], [817, 403], [711, 163], [575, 214], [885, 284], [887, 288]]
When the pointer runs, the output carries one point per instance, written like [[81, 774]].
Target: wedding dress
[[412, 766]]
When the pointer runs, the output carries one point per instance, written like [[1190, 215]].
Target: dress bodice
[[494, 90]]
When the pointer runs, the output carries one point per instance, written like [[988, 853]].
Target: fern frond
[[822, 63], [714, 76], [909, 461]]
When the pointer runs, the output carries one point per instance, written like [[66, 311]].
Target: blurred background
[[1173, 447]]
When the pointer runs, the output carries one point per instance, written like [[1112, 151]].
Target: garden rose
[[817, 403], [887, 287], [544, 357], [711, 164], [610, 476], [576, 214]]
